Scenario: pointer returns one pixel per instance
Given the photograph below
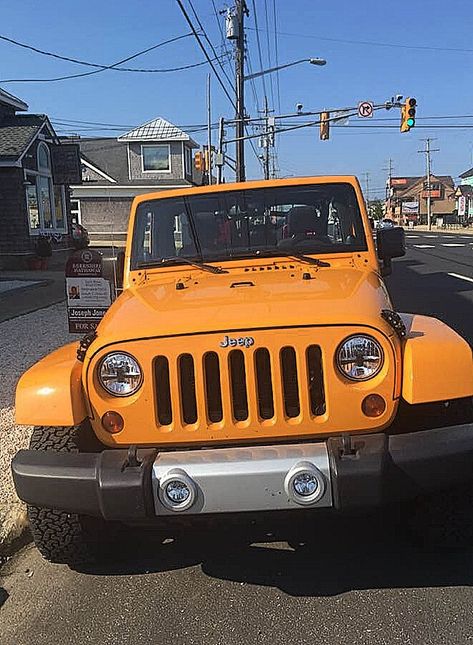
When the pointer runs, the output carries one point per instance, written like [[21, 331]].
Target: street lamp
[[312, 61]]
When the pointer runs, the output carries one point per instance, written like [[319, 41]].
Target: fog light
[[373, 405], [112, 422], [177, 492], [305, 484]]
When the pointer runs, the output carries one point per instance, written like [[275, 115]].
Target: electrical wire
[[276, 51], [258, 42], [199, 41], [270, 59], [374, 43], [223, 42], [204, 33], [95, 71]]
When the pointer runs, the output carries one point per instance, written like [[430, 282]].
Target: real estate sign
[[87, 291]]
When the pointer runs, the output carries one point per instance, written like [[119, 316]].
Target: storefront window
[[59, 206], [32, 203], [45, 201]]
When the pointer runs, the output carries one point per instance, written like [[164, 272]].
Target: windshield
[[321, 218]]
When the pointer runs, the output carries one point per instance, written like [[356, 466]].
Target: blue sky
[[432, 61]]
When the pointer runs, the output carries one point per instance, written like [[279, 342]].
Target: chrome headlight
[[120, 374], [359, 358]]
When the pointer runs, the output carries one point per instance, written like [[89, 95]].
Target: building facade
[[464, 195], [407, 199], [34, 200], [152, 157]]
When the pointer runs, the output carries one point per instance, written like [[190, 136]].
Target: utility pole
[[219, 156], [428, 150], [240, 12], [387, 200], [267, 140], [209, 132]]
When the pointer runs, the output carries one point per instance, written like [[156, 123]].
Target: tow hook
[[348, 450], [132, 460]]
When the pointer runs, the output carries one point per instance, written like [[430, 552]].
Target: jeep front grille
[[240, 386]]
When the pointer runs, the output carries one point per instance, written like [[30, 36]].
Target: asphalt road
[[355, 581]]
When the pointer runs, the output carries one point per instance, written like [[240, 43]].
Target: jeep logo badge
[[243, 341]]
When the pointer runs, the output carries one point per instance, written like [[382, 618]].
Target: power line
[[258, 42], [373, 43], [271, 82], [209, 42], [197, 37], [95, 71], [276, 53]]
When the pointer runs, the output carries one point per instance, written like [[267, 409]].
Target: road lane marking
[[452, 244], [423, 246], [412, 236], [461, 277], [432, 236]]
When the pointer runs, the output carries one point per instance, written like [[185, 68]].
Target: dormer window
[[156, 158]]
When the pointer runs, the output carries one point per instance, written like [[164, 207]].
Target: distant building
[[152, 157], [464, 195], [407, 198], [34, 196]]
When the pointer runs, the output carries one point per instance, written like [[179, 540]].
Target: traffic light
[[199, 161], [408, 114], [325, 126]]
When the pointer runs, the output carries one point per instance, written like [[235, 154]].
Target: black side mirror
[[390, 243]]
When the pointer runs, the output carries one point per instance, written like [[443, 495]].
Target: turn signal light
[[373, 405], [112, 422]]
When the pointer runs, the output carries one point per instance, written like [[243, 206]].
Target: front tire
[[62, 537]]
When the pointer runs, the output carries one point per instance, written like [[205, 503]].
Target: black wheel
[[444, 520], [63, 537]]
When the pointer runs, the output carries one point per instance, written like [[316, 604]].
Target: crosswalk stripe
[[461, 277], [452, 244]]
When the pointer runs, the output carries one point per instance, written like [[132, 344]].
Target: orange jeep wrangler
[[252, 363]]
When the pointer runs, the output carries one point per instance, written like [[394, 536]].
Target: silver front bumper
[[225, 480]]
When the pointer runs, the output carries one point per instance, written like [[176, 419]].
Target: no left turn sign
[[365, 109]]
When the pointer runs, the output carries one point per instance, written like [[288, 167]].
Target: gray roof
[[467, 173], [17, 132], [8, 99], [157, 130]]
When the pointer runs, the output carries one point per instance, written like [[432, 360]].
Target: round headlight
[[359, 358], [119, 374]]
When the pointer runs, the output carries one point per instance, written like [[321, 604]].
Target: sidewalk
[[446, 231], [22, 292]]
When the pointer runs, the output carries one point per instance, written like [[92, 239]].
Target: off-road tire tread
[[61, 537]]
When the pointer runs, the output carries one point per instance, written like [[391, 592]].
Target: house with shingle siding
[[152, 157], [32, 202]]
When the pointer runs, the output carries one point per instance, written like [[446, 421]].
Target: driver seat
[[303, 224]]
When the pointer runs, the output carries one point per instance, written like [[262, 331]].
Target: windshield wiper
[[296, 256], [179, 260]]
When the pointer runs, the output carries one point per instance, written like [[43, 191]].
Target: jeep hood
[[259, 298]]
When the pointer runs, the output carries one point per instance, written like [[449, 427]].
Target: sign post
[[88, 293]]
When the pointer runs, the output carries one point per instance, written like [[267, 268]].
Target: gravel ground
[[23, 341], [10, 285]]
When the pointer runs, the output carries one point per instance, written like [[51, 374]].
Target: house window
[[45, 201], [156, 158], [188, 161]]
